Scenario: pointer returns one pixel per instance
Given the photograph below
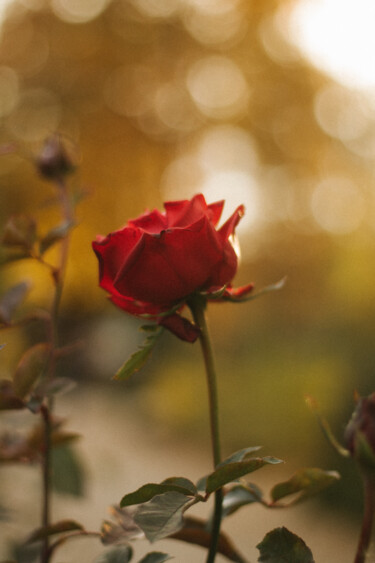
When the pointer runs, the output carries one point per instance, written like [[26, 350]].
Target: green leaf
[[55, 235], [52, 529], [139, 358], [231, 471], [240, 495], [239, 456], [307, 482], [123, 529], [67, 472], [30, 368], [117, 555], [149, 491], [282, 546], [20, 230], [155, 557], [11, 299], [162, 515]]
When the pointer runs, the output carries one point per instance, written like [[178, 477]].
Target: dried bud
[[360, 433], [54, 162]]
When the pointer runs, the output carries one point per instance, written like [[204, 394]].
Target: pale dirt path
[[121, 454]]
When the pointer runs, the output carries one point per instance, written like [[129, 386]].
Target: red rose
[[153, 264]]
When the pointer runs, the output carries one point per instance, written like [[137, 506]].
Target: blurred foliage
[[160, 99]]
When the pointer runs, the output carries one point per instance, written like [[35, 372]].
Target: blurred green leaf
[[139, 358], [307, 482], [30, 368], [282, 546], [240, 495], [53, 529], [116, 555], [122, 529], [55, 235], [147, 492], [234, 470], [20, 230], [11, 300], [162, 515], [155, 557], [68, 475]]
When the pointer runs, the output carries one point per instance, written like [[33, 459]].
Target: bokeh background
[[237, 99]]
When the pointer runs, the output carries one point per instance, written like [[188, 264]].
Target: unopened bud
[[54, 162], [360, 433]]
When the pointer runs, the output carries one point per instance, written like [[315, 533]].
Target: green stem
[[197, 306], [368, 518]]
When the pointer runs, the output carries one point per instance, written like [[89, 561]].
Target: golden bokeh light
[[78, 11], [218, 87], [338, 205]]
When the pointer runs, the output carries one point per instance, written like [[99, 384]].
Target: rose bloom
[[156, 262]]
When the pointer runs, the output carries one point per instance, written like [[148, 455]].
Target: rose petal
[[152, 223], [111, 252], [236, 293], [180, 260], [228, 228], [184, 213], [181, 327]]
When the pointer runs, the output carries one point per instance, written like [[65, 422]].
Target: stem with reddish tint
[[46, 467], [47, 408], [197, 306], [368, 519]]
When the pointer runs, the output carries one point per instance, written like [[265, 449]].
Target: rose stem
[[368, 517], [46, 410], [197, 306]]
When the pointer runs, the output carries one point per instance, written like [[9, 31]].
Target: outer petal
[[181, 327], [228, 228], [112, 251], [185, 213]]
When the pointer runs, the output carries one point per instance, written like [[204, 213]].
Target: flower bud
[[54, 162], [360, 433]]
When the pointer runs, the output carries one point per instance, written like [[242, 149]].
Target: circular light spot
[[78, 11], [175, 109], [340, 113], [228, 146], [182, 178], [215, 28], [36, 115], [157, 8], [337, 205], [218, 87]]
